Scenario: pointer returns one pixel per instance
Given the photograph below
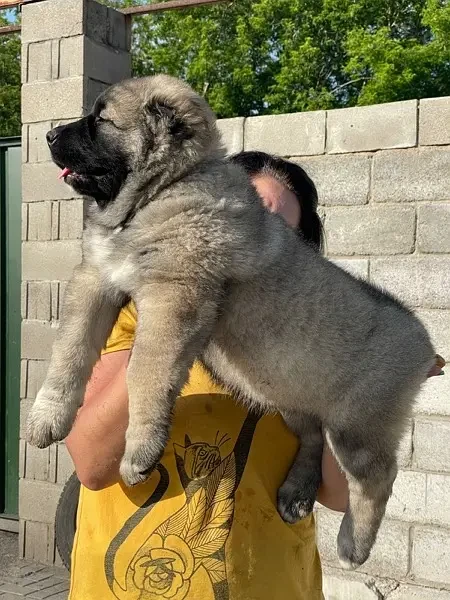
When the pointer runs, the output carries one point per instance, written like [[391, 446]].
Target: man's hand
[[437, 369]]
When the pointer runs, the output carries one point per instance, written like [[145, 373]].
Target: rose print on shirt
[[192, 538]]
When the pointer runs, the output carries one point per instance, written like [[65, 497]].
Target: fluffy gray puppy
[[215, 276]]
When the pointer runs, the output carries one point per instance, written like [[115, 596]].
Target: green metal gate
[[10, 277]]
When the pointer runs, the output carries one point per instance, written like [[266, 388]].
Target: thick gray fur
[[217, 277]]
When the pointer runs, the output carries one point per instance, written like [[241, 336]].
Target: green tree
[[9, 83], [273, 56]]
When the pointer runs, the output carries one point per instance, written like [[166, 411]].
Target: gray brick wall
[[383, 175], [71, 50]]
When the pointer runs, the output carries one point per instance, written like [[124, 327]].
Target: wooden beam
[[131, 10], [169, 5], [13, 3], [8, 29]]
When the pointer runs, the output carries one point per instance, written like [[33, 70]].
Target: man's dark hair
[[295, 178]]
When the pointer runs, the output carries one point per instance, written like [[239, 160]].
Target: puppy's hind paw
[[294, 504]]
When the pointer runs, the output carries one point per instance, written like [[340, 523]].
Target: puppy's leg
[[173, 327], [87, 320], [298, 493], [370, 466]]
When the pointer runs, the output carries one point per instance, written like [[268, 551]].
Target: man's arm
[[97, 440]]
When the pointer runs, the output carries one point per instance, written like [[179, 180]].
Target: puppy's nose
[[52, 136]]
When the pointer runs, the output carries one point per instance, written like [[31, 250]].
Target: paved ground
[[26, 579]]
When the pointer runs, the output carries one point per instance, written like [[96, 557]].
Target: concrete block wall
[[71, 51], [383, 177]]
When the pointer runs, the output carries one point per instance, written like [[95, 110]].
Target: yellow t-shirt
[[205, 525]]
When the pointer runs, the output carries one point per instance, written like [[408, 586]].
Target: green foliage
[[9, 83], [274, 56]]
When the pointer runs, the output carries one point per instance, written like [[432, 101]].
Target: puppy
[[215, 276]]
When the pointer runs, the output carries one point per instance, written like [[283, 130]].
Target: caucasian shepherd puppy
[[215, 276]]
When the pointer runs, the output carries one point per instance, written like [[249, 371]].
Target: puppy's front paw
[[295, 503], [51, 417], [140, 458]]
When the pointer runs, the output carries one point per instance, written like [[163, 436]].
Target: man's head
[[146, 127], [285, 188]]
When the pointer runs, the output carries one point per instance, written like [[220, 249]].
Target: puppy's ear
[[175, 125]]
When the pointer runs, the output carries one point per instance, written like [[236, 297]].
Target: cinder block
[[418, 592], [37, 370], [93, 90], [41, 464], [432, 445], [23, 378], [437, 323], [71, 213], [50, 260], [119, 30], [40, 182], [55, 219], [434, 121], [25, 407], [38, 147], [79, 55], [22, 458], [24, 62], [417, 175], [434, 228], [359, 267], [232, 131], [38, 500], [40, 61], [39, 300], [338, 588], [65, 464], [438, 499], [55, 58], [340, 180], [52, 19], [55, 300], [431, 554], [23, 299], [370, 230], [389, 555], [38, 542], [24, 222], [40, 221], [365, 128], [108, 26], [295, 134], [434, 397], [58, 99], [408, 499], [71, 57], [25, 143], [418, 281], [105, 63], [37, 339]]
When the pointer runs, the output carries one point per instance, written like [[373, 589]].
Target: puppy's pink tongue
[[64, 173]]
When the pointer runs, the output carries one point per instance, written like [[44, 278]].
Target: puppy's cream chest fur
[[106, 252]]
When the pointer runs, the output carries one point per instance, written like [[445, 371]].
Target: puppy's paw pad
[[294, 506], [138, 462], [351, 557], [50, 419]]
